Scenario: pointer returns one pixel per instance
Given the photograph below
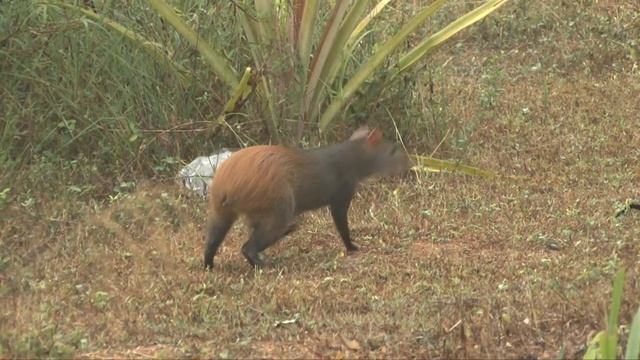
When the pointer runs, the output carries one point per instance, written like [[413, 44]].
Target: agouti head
[[384, 158]]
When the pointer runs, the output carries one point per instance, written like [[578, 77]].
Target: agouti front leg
[[339, 210]]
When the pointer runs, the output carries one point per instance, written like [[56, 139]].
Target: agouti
[[270, 185]]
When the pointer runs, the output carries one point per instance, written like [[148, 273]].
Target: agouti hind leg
[[267, 230], [218, 228]]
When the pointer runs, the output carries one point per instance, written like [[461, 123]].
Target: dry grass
[[450, 267]]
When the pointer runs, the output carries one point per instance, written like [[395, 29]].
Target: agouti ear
[[374, 137], [361, 133]]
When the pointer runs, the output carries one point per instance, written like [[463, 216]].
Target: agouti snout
[[270, 185]]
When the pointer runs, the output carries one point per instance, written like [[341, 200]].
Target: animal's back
[[256, 178]]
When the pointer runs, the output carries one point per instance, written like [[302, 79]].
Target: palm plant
[[314, 42]]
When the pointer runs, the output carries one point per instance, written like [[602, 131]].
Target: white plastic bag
[[198, 174]]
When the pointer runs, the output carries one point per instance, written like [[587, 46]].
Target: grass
[[95, 265]]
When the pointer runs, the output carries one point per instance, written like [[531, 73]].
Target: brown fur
[[255, 178]]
